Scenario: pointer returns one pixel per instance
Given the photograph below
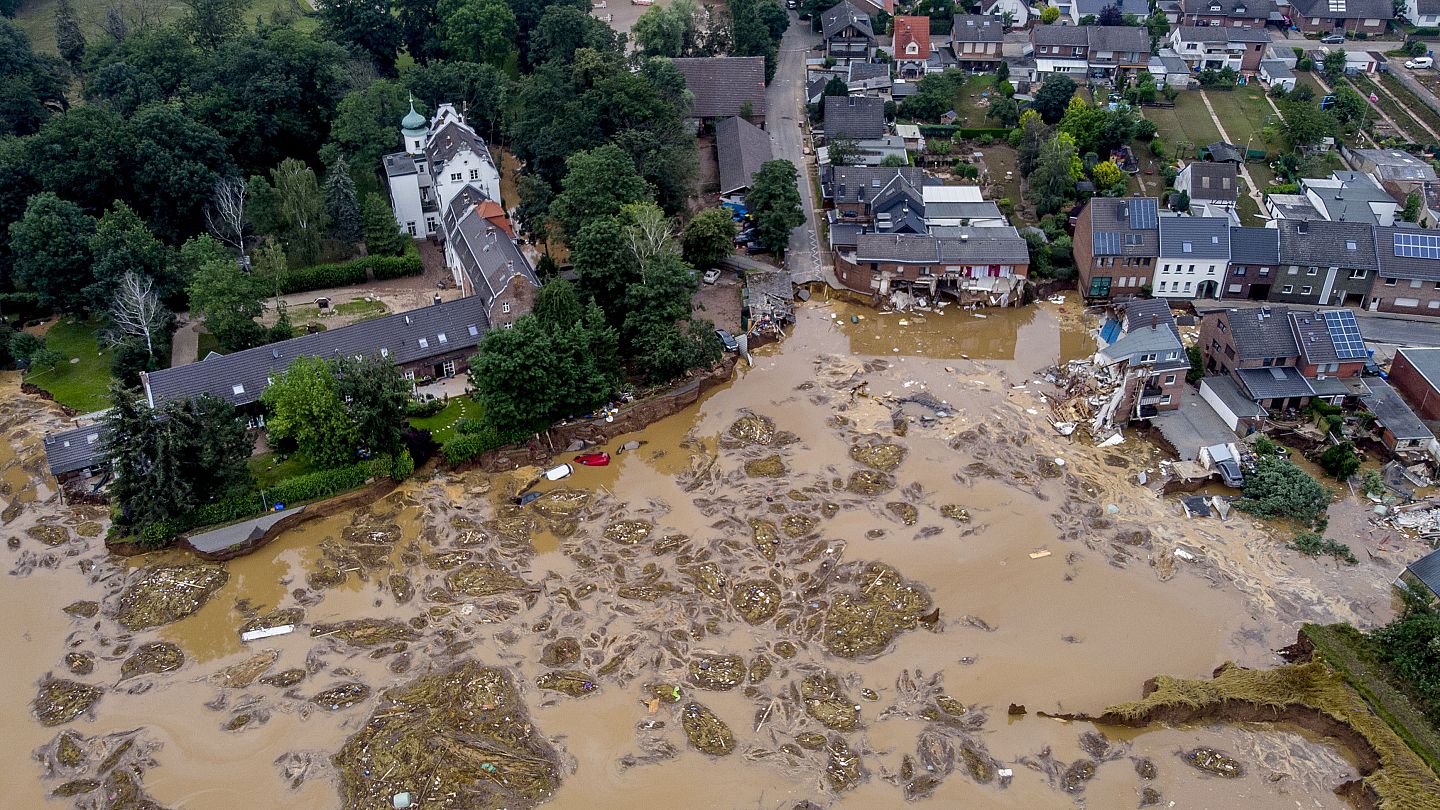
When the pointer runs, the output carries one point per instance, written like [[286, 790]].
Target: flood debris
[[878, 454], [152, 659], [826, 702], [906, 512], [628, 532], [869, 483], [82, 610], [842, 769], [885, 604], [717, 672], [561, 652], [80, 663], [748, 430], [1214, 762], [757, 601], [458, 738], [482, 579], [366, 632], [238, 676], [341, 697], [768, 467], [61, 701], [49, 534], [284, 679], [706, 732], [766, 537], [955, 512], [568, 682], [167, 593]]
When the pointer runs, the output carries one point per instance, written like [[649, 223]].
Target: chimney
[[1154, 321], [964, 237], [436, 299]]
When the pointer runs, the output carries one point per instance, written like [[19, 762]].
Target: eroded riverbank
[[744, 567]]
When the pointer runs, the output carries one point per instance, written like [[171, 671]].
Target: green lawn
[[442, 424], [967, 101], [361, 306], [269, 469], [1245, 113], [37, 17], [83, 385], [1187, 122]]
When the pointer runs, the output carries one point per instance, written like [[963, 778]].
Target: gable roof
[[1262, 332], [912, 30], [1344, 9], [74, 449], [843, 15], [1221, 151], [1408, 253], [1073, 35], [976, 246], [241, 377], [1255, 246], [1393, 164], [1245, 9], [1276, 382], [1213, 181], [451, 139], [977, 28], [1143, 312], [1321, 243], [741, 148], [1214, 33], [721, 85], [1392, 413], [1118, 38], [1427, 570], [850, 184], [1195, 238], [860, 118], [1124, 226]]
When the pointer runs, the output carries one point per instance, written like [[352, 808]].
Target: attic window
[[442, 338], [92, 438], [1350, 246], [1186, 247], [474, 331], [237, 389], [424, 343]]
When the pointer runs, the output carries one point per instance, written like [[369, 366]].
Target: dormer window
[[912, 48], [424, 343], [441, 337], [1214, 7]]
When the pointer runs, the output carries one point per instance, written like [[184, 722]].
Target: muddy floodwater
[[829, 581]]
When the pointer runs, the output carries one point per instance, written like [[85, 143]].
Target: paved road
[[1294, 39], [1376, 326], [785, 119]]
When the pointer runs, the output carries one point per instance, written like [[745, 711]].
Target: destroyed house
[[75, 453], [986, 265], [1142, 344]]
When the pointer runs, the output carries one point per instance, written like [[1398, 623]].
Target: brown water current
[[826, 581]]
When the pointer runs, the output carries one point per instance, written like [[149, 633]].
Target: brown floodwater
[[1046, 598]]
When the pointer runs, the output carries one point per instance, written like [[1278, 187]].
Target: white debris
[[1184, 555], [267, 632]]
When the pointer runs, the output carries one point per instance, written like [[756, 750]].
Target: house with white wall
[[1194, 255]]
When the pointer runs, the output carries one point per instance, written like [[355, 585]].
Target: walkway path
[[1225, 136], [185, 344]]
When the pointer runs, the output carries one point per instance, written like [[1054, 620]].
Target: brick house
[[1324, 263], [851, 190], [1226, 13], [1409, 277], [1401, 431], [1144, 345], [976, 40], [1117, 243], [1254, 261], [1210, 47], [911, 46], [1348, 16], [970, 265], [1283, 359], [1415, 373]]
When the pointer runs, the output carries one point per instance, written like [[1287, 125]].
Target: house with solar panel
[[1409, 277], [1117, 243], [1282, 358]]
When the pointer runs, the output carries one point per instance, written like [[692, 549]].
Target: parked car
[[1333, 39], [1420, 62], [747, 235], [593, 459], [731, 344], [711, 276], [755, 247]]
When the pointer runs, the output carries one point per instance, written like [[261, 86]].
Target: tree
[[1180, 201], [774, 201], [176, 162], [563, 31], [1410, 646], [269, 267], [667, 351], [1028, 139], [1339, 460], [340, 203], [535, 372], [368, 26], [1411, 212], [365, 121], [1277, 488], [229, 301], [137, 313], [420, 29], [648, 232], [1306, 125], [304, 406], [1110, 15], [301, 207], [1052, 184], [383, 236], [1049, 14], [1158, 26], [1002, 73], [1196, 372], [709, 237], [674, 30], [51, 249], [1349, 108], [225, 213], [605, 273], [597, 183], [1333, 66], [30, 84], [478, 30], [211, 22], [1109, 179], [1054, 97], [122, 244], [1004, 110], [557, 305], [374, 396], [31, 351], [69, 39]]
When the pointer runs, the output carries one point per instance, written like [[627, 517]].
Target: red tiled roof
[[910, 30], [491, 212]]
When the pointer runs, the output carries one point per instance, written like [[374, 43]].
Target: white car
[[1420, 62], [711, 276]]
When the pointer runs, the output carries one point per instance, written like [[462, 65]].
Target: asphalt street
[[785, 121]]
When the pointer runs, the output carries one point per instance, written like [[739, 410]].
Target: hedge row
[[482, 439], [953, 131], [356, 271]]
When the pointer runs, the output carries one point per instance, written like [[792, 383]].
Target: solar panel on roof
[[1417, 246], [1345, 334], [1106, 243], [1144, 214]]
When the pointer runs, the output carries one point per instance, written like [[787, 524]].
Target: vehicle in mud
[[593, 459], [557, 473], [728, 340]]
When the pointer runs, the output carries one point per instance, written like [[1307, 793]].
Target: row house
[[852, 190], [1324, 263], [1073, 11], [1094, 50], [971, 265], [1409, 276], [1254, 260], [911, 46], [847, 33], [1122, 235], [1226, 13], [1142, 342], [1281, 359], [976, 41], [1423, 13], [1342, 16], [1194, 257], [1210, 185], [1205, 47]]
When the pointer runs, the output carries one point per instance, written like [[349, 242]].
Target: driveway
[[1294, 39], [1192, 426], [786, 122]]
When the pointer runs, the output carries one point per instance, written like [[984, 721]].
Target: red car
[[593, 459]]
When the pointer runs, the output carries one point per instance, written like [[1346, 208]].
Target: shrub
[[402, 466], [319, 484], [957, 131], [357, 271], [1339, 460], [476, 438], [1313, 545], [418, 409], [1277, 488], [1145, 129], [1264, 446]]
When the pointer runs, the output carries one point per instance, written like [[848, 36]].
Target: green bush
[[357, 271], [1339, 460], [475, 438], [1277, 488], [319, 484], [956, 131], [1313, 545], [402, 466], [419, 409]]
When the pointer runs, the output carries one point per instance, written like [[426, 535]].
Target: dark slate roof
[[1321, 243], [1350, 200], [1344, 9], [399, 164], [1427, 570], [1276, 69], [1392, 412], [1195, 237], [1393, 265], [1393, 164], [741, 148], [1072, 35], [1118, 38], [978, 246], [841, 16], [845, 234], [866, 71], [1313, 337], [1426, 360], [1428, 6], [1245, 9], [1262, 332], [1223, 181], [1221, 151], [1124, 226], [849, 184], [74, 449], [463, 323], [855, 118], [1276, 382], [1234, 399], [1142, 312], [722, 84], [904, 89], [452, 139], [1137, 7], [1255, 246], [1212, 33], [977, 28], [489, 257], [986, 209]]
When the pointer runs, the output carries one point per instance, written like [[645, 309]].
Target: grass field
[[1187, 122], [968, 103], [37, 17], [83, 384], [442, 424], [270, 469], [1244, 112]]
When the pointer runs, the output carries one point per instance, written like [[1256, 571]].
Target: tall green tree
[[374, 396], [69, 39], [673, 30], [709, 237], [774, 201], [341, 204], [662, 296], [1053, 98], [478, 30], [596, 184], [420, 29], [666, 352], [536, 372], [304, 406], [301, 207], [383, 236], [370, 27], [1306, 125], [30, 83], [563, 31], [1052, 184], [123, 244], [605, 271], [177, 162], [229, 300], [51, 248], [367, 123], [1333, 66], [1277, 488], [211, 22]]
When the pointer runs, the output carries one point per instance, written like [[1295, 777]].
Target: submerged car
[[593, 459], [528, 497], [729, 341], [556, 473]]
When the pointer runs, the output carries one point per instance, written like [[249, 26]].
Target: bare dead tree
[[136, 312], [649, 233], [225, 214]]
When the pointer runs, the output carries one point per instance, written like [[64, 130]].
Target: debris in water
[[366, 632], [864, 623], [628, 532], [152, 659], [825, 702], [705, 731], [1210, 760], [1041, 554], [769, 467], [561, 652], [717, 672], [869, 483], [83, 610], [756, 601], [341, 697], [61, 701], [482, 579], [569, 682], [267, 632], [167, 593], [246, 672], [878, 455]]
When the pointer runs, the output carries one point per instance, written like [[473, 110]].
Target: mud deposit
[[821, 584]]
